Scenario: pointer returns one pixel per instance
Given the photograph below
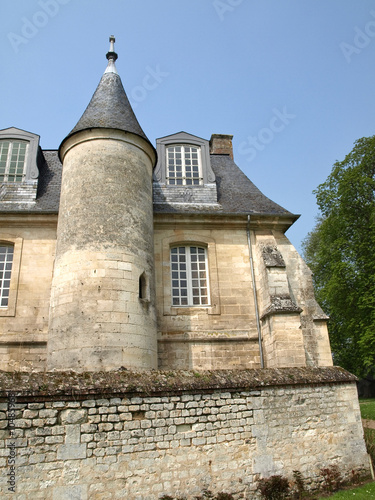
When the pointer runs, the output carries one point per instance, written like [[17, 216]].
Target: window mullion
[[207, 278], [7, 166], [200, 170], [183, 165]]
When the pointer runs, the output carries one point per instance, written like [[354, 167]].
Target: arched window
[[13, 160], [184, 165], [189, 274], [6, 262]]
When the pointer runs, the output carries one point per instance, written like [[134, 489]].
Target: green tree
[[341, 254]]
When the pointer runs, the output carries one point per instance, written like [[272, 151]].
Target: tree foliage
[[341, 254]]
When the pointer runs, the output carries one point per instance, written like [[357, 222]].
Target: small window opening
[[142, 287]]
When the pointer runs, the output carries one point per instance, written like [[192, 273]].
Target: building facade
[[114, 253]]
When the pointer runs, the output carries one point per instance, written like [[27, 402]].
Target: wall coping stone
[[72, 386]]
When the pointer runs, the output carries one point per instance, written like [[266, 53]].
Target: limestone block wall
[[282, 341], [223, 334], [220, 432], [24, 323], [206, 350]]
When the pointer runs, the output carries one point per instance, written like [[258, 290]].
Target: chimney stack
[[221, 144]]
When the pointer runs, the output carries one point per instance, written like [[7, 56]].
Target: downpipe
[[254, 292]]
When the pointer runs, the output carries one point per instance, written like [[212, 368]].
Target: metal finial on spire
[[111, 56], [112, 40]]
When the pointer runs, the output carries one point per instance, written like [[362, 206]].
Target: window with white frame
[[6, 262], [184, 165], [189, 273], [12, 160]]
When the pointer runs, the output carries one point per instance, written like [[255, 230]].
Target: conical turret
[[102, 313], [109, 106]]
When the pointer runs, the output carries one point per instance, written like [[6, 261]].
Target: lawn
[[367, 407], [362, 493]]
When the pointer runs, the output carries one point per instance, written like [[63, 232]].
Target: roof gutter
[[254, 292]]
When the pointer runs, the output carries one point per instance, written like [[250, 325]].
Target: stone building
[[116, 254], [117, 258]]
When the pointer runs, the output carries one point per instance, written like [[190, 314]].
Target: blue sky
[[292, 80]]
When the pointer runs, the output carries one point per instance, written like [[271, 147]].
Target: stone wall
[[140, 435], [24, 323], [225, 333]]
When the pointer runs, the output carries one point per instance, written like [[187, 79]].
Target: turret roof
[[109, 106]]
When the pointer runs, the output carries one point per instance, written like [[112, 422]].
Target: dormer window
[[183, 173], [13, 160], [184, 165], [19, 158]]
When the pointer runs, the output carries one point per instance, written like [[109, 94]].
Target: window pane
[[12, 160], [6, 260], [181, 162], [189, 287]]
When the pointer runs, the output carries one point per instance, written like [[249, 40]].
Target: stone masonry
[[220, 431]]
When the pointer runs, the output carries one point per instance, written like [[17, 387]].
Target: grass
[[363, 492], [367, 407]]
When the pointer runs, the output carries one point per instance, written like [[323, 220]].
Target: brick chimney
[[221, 144]]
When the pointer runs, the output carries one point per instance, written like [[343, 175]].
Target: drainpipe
[[255, 292]]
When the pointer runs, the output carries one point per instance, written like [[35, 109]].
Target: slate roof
[[49, 187], [109, 108], [236, 193]]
